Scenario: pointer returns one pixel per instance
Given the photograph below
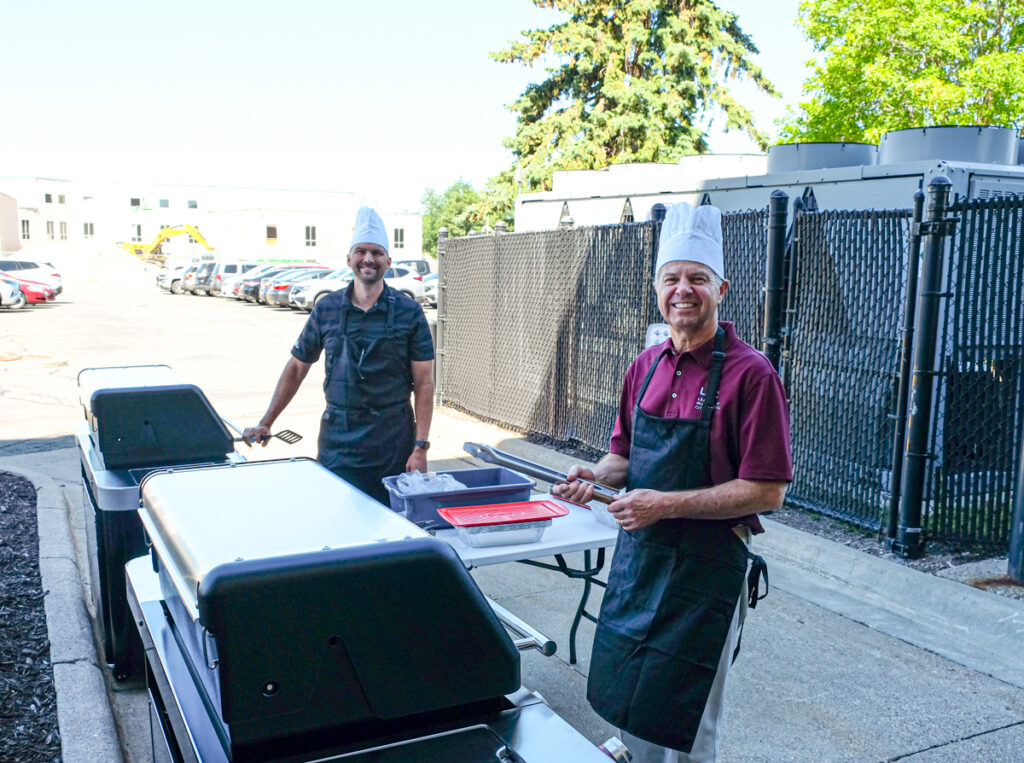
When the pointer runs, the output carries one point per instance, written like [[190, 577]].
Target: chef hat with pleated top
[[369, 229], [692, 234]]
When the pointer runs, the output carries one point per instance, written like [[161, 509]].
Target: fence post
[[778, 206], [908, 542], [1015, 568], [906, 351], [442, 242]]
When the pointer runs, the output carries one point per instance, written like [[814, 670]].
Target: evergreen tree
[[633, 81]]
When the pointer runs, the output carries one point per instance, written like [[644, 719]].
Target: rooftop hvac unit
[[794, 157], [981, 145]]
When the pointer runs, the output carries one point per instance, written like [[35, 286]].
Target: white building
[[60, 218], [8, 223]]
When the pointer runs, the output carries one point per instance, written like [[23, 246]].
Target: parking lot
[[111, 313]]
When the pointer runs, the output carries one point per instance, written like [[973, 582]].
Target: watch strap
[[425, 444]]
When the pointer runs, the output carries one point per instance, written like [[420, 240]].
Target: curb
[[979, 630], [84, 715]]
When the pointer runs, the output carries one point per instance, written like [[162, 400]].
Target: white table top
[[576, 531]]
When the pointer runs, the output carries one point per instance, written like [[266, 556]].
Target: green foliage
[[460, 208], [633, 83], [893, 64]]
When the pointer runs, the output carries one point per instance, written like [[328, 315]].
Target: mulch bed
[[28, 701]]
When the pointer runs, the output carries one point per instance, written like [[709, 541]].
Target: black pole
[[778, 206], [1015, 568], [900, 418], [908, 542], [439, 316]]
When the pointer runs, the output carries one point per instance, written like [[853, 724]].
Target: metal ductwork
[[975, 144], [796, 157]]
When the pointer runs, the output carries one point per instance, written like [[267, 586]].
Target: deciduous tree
[[892, 64], [628, 81]]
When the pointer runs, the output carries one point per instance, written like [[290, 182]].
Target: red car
[[34, 291]]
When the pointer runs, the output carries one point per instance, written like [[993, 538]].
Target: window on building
[[49, 229], [87, 230], [24, 230], [135, 202], [136, 234], [48, 198], [399, 238], [164, 203], [63, 231], [60, 198], [192, 204], [310, 235], [271, 234]]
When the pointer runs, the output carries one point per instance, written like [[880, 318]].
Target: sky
[[383, 99]]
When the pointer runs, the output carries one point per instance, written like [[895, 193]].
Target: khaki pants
[[705, 745]]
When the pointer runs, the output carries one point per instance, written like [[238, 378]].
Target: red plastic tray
[[502, 513]]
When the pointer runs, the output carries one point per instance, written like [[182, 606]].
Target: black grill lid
[[153, 426]]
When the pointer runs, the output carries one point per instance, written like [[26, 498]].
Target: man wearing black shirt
[[378, 349]]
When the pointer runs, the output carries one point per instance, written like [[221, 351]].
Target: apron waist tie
[[758, 567]]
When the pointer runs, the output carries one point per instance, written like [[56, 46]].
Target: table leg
[[588, 574]]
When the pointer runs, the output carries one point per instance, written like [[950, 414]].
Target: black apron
[[362, 438], [672, 588]]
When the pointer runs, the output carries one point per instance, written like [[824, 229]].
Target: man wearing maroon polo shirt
[[702, 445]]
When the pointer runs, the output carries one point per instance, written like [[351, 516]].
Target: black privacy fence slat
[[539, 328]]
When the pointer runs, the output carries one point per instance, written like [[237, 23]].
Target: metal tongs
[[285, 435], [602, 493]]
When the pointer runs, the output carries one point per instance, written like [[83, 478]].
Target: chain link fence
[[841, 358], [978, 417], [539, 328]]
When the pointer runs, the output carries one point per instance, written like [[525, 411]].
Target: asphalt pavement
[[850, 658]]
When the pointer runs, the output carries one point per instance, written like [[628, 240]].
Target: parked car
[[430, 289], [305, 295], [188, 274], [10, 294], [281, 285], [232, 287], [225, 273], [420, 265], [199, 281], [406, 281], [284, 298], [261, 294], [40, 272], [35, 292], [169, 278]]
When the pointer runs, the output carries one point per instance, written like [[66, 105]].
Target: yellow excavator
[[152, 252]]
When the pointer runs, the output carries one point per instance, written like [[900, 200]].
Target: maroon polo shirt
[[750, 426]]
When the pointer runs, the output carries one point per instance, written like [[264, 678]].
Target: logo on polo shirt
[[700, 401]]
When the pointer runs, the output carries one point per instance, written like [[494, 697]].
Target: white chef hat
[[369, 229], [692, 234]]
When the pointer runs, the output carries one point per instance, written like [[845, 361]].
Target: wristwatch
[[425, 444]]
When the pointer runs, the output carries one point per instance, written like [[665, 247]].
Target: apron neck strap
[[711, 393]]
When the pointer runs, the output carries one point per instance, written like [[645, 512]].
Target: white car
[[404, 280], [305, 295], [43, 272], [11, 296]]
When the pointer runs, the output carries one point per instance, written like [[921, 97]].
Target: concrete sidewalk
[[850, 658]]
